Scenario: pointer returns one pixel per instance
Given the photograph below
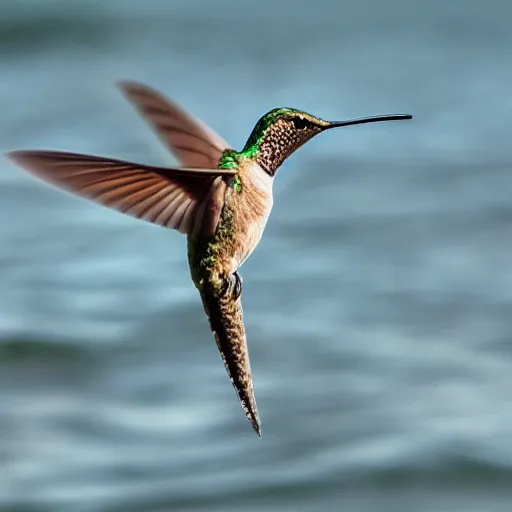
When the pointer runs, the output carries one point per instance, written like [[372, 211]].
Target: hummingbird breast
[[245, 210], [252, 205]]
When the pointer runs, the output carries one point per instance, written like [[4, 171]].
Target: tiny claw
[[233, 285], [237, 285]]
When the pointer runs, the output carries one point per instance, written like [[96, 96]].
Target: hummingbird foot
[[233, 286], [237, 285]]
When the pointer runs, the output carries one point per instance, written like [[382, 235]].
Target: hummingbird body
[[221, 199]]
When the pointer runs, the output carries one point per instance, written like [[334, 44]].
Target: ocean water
[[377, 305]]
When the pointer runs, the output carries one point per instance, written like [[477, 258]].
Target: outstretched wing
[[190, 140], [227, 324], [170, 197]]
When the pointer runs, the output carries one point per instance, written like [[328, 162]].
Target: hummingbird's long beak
[[371, 119]]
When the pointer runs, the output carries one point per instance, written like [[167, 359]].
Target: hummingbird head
[[282, 131]]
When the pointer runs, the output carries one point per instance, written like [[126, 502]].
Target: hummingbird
[[218, 197]]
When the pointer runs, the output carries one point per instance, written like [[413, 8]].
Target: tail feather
[[226, 321]]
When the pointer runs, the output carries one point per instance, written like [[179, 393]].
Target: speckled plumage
[[278, 134]]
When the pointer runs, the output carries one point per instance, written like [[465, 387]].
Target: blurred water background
[[378, 305]]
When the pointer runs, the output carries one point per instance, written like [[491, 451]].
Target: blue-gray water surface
[[377, 306]]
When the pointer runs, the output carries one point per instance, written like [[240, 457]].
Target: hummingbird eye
[[300, 123]]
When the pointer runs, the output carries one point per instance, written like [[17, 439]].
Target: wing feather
[[170, 197], [190, 140]]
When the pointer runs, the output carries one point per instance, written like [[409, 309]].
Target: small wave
[[20, 349], [453, 471], [37, 32]]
